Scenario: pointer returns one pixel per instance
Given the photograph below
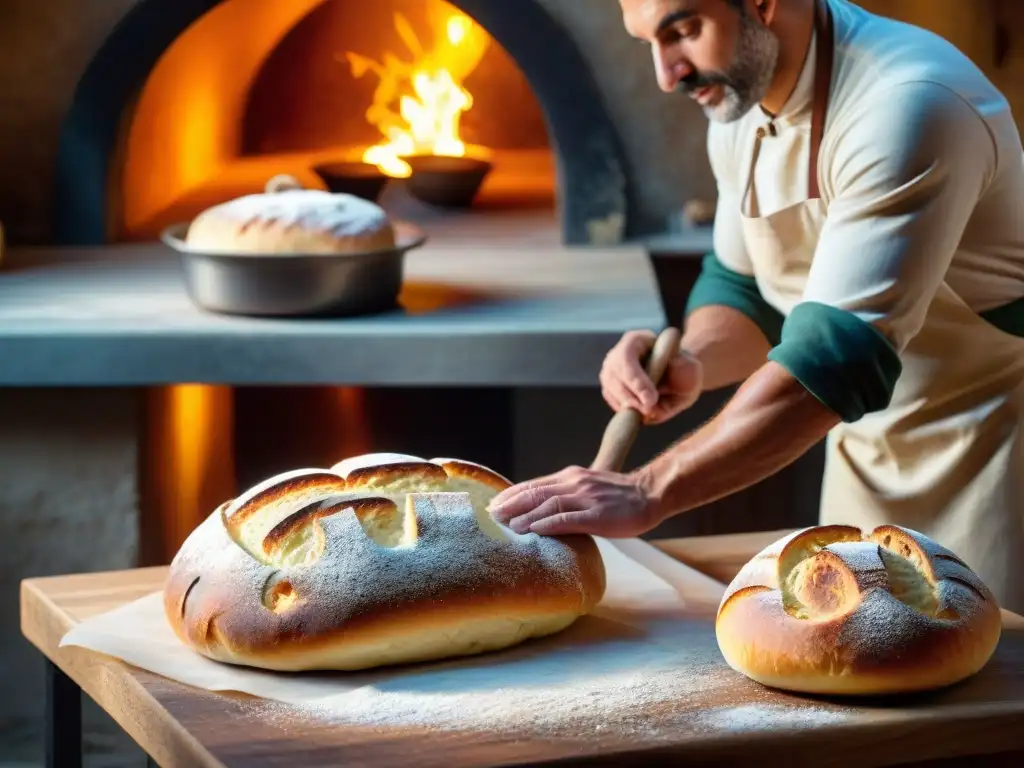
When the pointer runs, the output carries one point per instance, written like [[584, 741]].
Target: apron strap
[[824, 50], [748, 204]]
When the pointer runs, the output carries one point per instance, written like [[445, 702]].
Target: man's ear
[[766, 10]]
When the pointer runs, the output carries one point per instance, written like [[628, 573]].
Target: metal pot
[[295, 285]]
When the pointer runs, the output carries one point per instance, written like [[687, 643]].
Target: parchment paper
[[633, 635]]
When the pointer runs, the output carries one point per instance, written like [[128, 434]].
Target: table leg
[[63, 719]]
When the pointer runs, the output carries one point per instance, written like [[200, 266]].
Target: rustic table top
[[178, 725]]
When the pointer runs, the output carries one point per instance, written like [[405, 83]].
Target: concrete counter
[[475, 317]]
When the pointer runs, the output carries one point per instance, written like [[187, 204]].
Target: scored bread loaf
[[287, 219], [383, 559], [827, 610]]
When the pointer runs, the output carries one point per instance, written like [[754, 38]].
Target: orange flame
[[427, 119]]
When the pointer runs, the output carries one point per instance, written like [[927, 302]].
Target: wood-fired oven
[[190, 102]]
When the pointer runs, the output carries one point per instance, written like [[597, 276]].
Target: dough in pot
[[828, 610], [287, 219], [384, 559]]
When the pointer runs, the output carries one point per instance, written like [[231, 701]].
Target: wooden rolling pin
[[624, 426]]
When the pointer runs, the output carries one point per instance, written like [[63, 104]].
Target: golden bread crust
[[380, 563], [469, 471], [827, 610]]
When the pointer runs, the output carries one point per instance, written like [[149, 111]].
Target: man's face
[[718, 52]]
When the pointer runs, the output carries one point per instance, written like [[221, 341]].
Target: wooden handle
[[624, 426]]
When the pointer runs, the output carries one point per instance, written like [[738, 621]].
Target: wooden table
[[181, 726]]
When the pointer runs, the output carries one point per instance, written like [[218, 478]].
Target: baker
[[867, 284]]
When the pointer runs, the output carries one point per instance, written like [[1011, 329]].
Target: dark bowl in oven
[[446, 182], [353, 178]]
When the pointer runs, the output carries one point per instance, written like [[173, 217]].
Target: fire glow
[[427, 90]]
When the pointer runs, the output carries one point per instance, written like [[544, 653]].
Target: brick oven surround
[[594, 192]]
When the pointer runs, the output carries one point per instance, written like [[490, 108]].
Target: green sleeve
[[718, 285], [843, 361]]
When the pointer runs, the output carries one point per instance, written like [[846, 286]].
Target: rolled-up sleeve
[[904, 181], [727, 275]]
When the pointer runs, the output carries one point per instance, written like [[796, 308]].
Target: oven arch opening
[[593, 187]]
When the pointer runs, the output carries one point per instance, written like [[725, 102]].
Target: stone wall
[[67, 504], [664, 136], [44, 46]]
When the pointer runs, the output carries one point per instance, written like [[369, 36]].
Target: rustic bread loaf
[[384, 559], [829, 611], [287, 219]]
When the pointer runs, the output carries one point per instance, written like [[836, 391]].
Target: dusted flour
[[674, 680]]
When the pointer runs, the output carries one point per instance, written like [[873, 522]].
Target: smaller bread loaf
[[287, 219], [830, 611], [383, 559]]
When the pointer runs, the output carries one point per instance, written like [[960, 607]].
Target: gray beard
[[748, 77]]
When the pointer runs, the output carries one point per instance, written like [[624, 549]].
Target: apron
[[946, 458]]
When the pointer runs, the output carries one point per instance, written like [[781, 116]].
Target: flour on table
[[551, 693], [765, 717], [656, 703], [648, 690]]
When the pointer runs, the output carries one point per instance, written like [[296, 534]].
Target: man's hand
[[578, 500], [625, 384]]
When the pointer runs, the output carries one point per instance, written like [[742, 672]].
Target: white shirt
[[921, 170]]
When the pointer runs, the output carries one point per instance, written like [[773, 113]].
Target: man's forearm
[[729, 346], [770, 422]]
